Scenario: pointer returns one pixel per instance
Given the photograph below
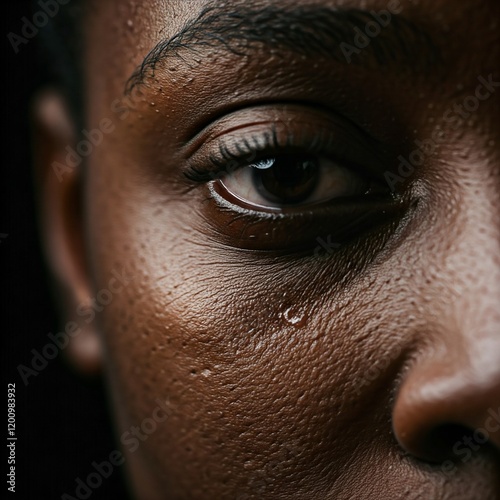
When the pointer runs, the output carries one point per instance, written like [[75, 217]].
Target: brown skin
[[262, 407]]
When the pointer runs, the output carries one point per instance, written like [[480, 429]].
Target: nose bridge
[[474, 272], [477, 330]]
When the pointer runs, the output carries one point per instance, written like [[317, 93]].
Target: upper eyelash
[[268, 141]]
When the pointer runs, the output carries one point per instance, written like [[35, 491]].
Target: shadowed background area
[[62, 424]]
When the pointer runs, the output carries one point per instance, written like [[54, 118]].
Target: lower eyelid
[[244, 227], [231, 205]]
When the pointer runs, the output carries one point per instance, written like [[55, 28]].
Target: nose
[[448, 402], [448, 406]]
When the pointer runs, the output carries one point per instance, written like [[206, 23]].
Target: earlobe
[[62, 223]]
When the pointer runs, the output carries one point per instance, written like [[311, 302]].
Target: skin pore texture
[[342, 349]]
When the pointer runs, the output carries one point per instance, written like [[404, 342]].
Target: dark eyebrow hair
[[314, 31]]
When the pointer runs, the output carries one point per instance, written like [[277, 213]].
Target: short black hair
[[60, 53]]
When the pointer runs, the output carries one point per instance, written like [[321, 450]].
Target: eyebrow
[[312, 31]]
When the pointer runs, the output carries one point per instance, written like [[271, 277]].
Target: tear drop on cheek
[[294, 316]]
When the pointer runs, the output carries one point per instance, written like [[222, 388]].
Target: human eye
[[292, 179], [289, 177]]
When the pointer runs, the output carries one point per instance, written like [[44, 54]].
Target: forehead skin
[[262, 406]]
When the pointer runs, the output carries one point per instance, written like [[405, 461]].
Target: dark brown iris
[[291, 179]]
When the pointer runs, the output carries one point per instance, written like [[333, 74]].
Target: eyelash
[[265, 145]]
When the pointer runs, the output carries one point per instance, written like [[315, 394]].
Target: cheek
[[263, 375]]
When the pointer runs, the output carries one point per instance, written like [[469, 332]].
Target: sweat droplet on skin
[[294, 316]]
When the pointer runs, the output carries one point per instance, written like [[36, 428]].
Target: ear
[[59, 183]]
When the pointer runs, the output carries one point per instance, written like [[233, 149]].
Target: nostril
[[454, 442], [442, 442]]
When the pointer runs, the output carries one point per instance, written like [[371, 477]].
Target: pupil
[[290, 179]]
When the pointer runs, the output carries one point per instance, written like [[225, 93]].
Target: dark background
[[62, 424]]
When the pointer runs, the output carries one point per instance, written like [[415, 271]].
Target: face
[[295, 206]]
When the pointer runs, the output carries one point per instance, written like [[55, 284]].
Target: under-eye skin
[[282, 182]]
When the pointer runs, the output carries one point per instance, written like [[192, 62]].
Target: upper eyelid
[[321, 141], [271, 140], [259, 115]]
